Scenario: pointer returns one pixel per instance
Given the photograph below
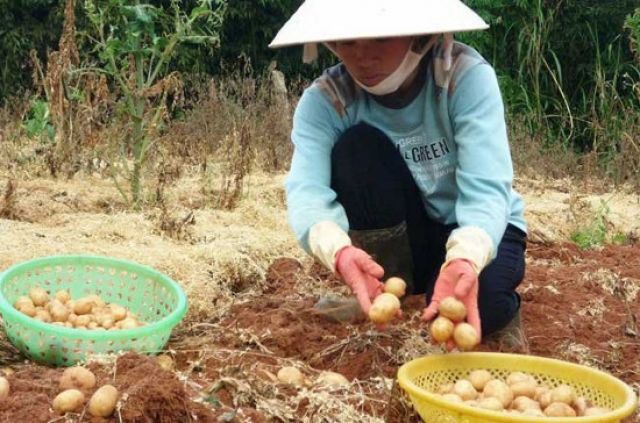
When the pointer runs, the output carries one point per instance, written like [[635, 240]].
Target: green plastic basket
[[153, 297]]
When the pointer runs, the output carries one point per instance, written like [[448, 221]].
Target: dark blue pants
[[377, 190]]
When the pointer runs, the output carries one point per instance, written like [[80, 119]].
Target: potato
[[290, 375], [395, 286], [63, 296], [446, 388], [128, 323], [59, 313], [544, 397], [525, 388], [559, 409], [4, 387], [332, 379], [465, 390], [536, 412], [580, 405], [498, 389], [515, 377], [103, 401], [83, 306], [441, 329], [522, 403], [39, 296], [452, 398], [92, 325], [384, 308], [77, 377], [68, 400], [72, 318], [117, 311], [28, 309], [479, 378], [82, 320], [563, 393], [166, 362], [106, 321], [596, 411], [97, 301], [22, 301], [43, 316], [491, 403], [465, 336], [453, 309]]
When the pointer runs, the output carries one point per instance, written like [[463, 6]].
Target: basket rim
[[167, 322], [405, 381]]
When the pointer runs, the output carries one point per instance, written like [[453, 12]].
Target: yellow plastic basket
[[421, 377]]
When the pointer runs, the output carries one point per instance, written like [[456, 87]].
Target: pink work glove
[[458, 279], [361, 273]]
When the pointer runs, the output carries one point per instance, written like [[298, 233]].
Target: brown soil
[[580, 306], [149, 394]]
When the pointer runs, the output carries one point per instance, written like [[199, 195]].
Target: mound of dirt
[[148, 394]]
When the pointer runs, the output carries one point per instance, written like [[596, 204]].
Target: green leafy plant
[[595, 232], [37, 122], [135, 43]]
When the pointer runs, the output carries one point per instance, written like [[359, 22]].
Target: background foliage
[[569, 69]]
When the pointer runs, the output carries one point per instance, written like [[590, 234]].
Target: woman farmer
[[401, 163]]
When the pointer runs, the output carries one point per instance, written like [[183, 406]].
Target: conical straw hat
[[332, 20]]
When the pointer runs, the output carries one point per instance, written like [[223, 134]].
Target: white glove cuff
[[326, 238], [470, 243]]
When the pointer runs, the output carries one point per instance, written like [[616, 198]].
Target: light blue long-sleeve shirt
[[452, 136]]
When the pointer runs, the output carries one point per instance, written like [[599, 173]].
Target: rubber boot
[[511, 337], [390, 248]]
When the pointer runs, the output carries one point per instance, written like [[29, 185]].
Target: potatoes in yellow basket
[[479, 378], [563, 393], [500, 390], [559, 409], [465, 390], [384, 308], [396, 286]]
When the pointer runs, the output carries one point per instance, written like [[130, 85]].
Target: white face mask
[[411, 60]]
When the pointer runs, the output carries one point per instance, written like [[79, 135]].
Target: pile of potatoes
[[75, 379], [71, 399], [519, 394], [89, 312], [386, 305], [449, 325]]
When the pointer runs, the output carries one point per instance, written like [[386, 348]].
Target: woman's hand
[[457, 279], [361, 273]]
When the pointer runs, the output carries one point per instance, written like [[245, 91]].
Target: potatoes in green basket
[[39, 296], [89, 312], [103, 401], [68, 400]]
